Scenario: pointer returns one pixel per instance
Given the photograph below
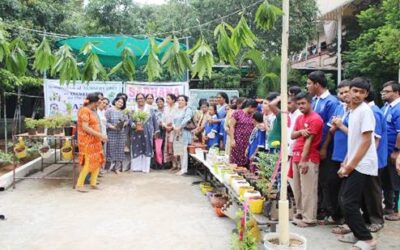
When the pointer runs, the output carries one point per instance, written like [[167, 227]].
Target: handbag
[[158, 150], [190, 125]]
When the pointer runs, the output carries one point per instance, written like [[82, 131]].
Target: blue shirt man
[[391, 113], [325, 105], [381, 133], [340, 137]]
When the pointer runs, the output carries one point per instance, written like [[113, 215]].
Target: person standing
[[211, 130], [372, 196], [117, 121], [182, 136], [142, 141], [324, 104], [241, 125], [223, 101], [101, 113], [338, 133], [390, 178], [274, 136], [361, 161], [257, 140], [91, 156], [307, 132], [167, 124]]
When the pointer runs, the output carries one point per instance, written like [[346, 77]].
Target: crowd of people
[[342, 149]]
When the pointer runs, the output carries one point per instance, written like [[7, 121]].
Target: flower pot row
[[54, 125]]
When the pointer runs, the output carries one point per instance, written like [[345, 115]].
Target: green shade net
[[109, 47]]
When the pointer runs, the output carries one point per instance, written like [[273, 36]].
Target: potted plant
[[30, 125], [59, 123], [68, 128], [5, 158], [40, 126], [66, 150], [139, 117], [50, 125]]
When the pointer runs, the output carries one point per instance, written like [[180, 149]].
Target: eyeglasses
[[386, 91]]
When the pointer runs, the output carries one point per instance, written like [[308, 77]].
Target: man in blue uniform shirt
[[324, 104], [390, 178]]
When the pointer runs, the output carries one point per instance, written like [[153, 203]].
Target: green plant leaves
[[65, 65], [43, 57], [175, 59], [92, 68], [153, 67], [203, 59], [227, 49], [4, 45], [242, 35], [266, 15], [127, 64], [17, 61]]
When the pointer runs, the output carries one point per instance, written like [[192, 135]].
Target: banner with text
[[158, 89], [58, 97]]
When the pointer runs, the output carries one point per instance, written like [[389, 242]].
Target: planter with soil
[[296, 242], [50, 131], [40, 130], [68, 131], [44, 151], [67, 153], [218, 200], [31, 131], [139, 127], [58, 131]]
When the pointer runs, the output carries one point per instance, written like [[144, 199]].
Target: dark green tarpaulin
[[106, 47]]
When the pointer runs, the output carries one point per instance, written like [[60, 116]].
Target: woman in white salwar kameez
[[142, 141]]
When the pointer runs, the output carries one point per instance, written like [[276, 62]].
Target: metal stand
[[56, 138]]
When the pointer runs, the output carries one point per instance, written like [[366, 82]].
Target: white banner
[[158, 89], [57, 96]]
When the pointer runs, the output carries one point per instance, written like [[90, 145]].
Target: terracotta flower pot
[[218, 200], [191, 149], [50, 131], [139, 127], [40, 130]]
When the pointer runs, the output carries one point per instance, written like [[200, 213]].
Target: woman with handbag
[[183, 125]]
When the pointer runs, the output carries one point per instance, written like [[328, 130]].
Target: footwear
[[302, 224], [341, 229], [82, 189], [347, 238], [373, 228], [298, 217], [388, 211], [363, 245], [393, 217], [180, 173]]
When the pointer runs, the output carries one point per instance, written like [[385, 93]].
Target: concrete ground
[[132, 211]]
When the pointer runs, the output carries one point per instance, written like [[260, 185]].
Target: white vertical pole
[[339, 47], [283, 202]]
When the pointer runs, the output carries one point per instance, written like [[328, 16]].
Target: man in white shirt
[[361, 161]]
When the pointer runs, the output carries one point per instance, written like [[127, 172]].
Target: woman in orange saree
[[91, 156]]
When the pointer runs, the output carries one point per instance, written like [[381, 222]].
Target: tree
[[377, 45]]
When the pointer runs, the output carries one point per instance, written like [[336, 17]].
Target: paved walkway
[[132, 211]]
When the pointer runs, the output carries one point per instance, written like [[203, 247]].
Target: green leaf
[[227, 49], [17, 61], [203, 59], [153, 67], [243, 36], [43, 57], [127, 64], [92, 68], [65, 65], [266, 15], [175, 59]]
